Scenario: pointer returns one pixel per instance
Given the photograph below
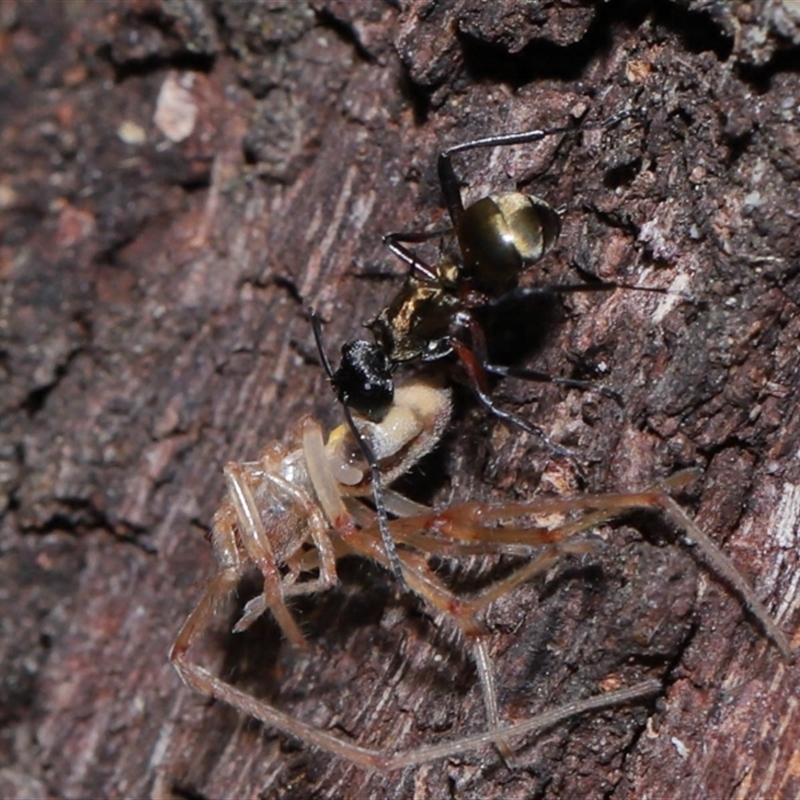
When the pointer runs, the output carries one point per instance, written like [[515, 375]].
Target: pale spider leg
[[474, 520], [429, 540], [464, 612], [715, 559], [422, 581], [517, 578], [330, 499], [463, 524], [204, 682], [485, 669], [428, 587], [258, 546], [327, 490], [721, 565], [402, 506], [218, 589], [484, 513]]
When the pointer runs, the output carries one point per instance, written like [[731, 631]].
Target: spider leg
[[218, 589], [204, 682], [259, 548], [474, 522]]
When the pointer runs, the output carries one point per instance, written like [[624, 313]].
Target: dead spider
[[300, 507]]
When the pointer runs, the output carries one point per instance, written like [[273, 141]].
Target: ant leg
[[372, 461], [521, 293], [407, 255], [449, 181], [474, 361], [415, 237], [380, 507], [477, 378], [525, 374], [258, 546]]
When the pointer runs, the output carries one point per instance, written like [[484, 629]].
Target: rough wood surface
[[149, 332]]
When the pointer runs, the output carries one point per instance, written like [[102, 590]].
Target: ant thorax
[[416, 324]]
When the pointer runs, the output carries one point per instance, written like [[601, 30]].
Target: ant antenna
[[369, 454]]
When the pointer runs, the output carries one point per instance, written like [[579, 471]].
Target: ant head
[[501, 235], [364, 379]]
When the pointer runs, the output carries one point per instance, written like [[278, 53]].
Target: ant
[[437, 312]]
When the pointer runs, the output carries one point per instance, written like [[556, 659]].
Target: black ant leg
[[449, 181], [392, 241], [415, 237], [533, 375], [476, 365], [476, 376], [525, 292], [375, 471]]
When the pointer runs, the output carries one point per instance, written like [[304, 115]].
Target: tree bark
[[177, 174]]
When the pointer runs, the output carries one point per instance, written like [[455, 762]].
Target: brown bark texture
[[176, 174]]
